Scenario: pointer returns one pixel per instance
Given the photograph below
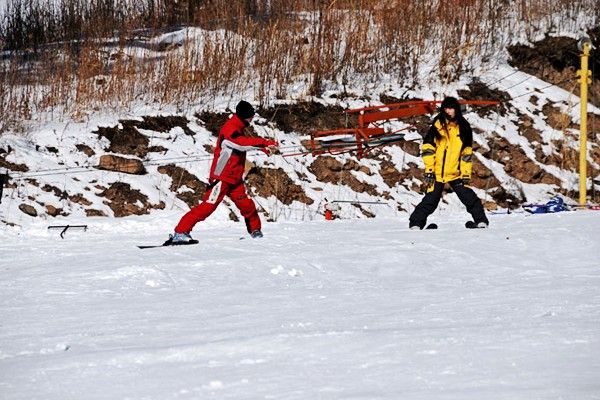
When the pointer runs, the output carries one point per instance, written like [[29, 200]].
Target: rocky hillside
[[526, 148]]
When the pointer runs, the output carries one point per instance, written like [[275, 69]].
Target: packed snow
[[345, 309], [355, 308]]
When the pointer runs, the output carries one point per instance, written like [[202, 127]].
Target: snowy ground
[[358, 309]]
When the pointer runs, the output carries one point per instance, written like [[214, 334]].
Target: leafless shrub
[[72, 57]]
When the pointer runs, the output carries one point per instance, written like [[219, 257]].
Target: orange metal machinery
[[369, 133]]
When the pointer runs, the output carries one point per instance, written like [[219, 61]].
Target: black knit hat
[[244, 110], [450, 102]]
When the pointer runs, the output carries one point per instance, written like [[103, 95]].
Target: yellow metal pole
[[584, 75]]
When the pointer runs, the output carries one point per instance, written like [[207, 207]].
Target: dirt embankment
[[127, 139], [557, 59], [307, 117]]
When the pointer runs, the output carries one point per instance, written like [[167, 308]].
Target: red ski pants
[[213, 196]]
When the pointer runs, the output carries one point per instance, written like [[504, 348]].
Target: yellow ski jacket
[[447, 149]]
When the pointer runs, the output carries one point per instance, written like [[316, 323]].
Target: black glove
[[429, 178], [466, 180]]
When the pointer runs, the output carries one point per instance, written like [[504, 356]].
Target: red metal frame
[[363, 133]]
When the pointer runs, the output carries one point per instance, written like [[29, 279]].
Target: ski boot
[[179, 239]]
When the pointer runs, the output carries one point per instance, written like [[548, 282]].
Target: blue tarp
[[556, 204]]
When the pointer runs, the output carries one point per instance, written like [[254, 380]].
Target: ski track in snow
[[358, 309]]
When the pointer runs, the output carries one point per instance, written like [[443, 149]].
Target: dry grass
[[60, 65]]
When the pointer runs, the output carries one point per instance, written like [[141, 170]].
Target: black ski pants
[[431, 200]]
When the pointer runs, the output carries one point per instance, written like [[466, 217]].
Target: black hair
[[466, 133]]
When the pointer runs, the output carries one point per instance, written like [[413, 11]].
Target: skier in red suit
[[226, 176]]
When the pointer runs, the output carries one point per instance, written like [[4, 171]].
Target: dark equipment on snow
[[66, 227], [3, 180], [169, 243]]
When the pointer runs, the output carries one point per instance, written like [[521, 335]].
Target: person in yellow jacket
[[447, 153]]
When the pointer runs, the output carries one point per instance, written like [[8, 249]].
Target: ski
[[167, 243]]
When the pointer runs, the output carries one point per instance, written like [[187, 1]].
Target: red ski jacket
[[230, 155]]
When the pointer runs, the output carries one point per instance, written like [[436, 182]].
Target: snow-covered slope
[[360, 309], [522, 156], [356, 308], [526, 149]]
